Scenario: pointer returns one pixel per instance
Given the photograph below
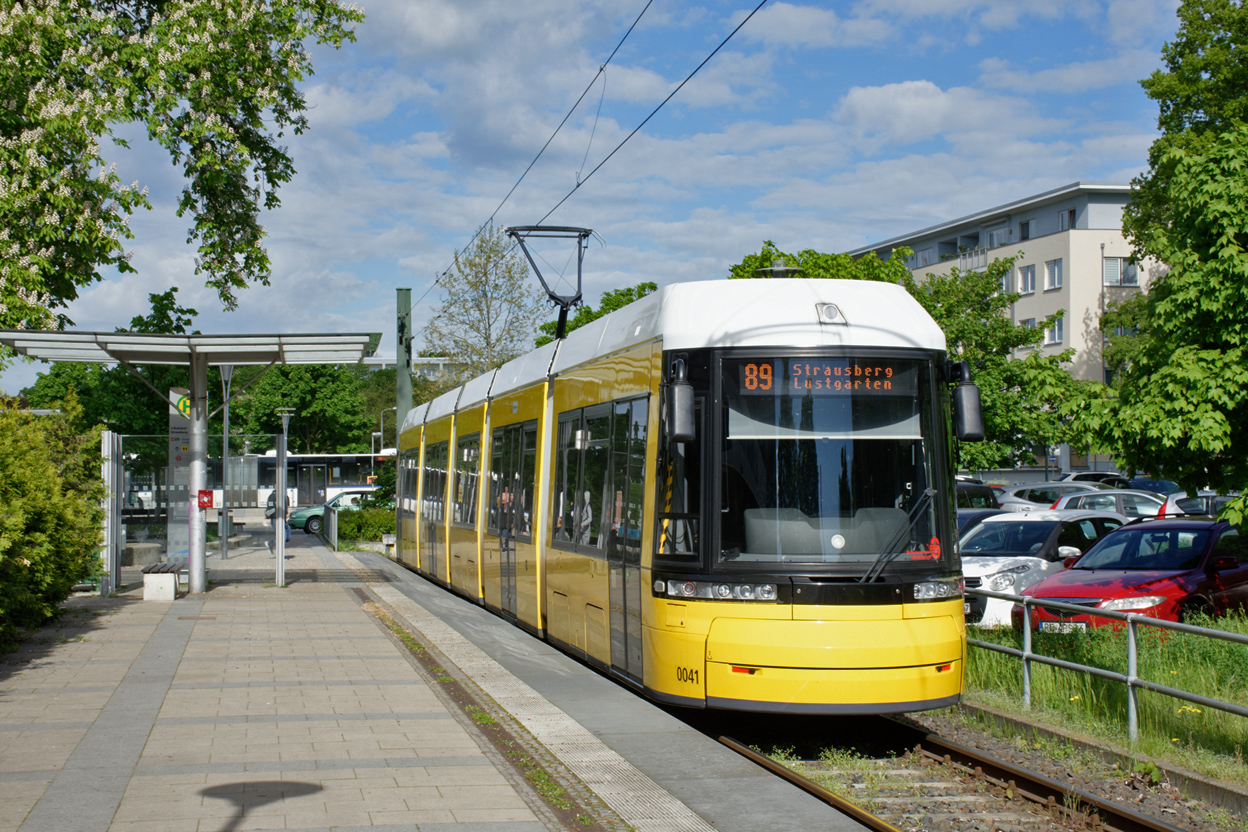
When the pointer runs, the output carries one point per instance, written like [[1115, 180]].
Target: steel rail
[[811, 787], [1028, 784], [1040, 788]]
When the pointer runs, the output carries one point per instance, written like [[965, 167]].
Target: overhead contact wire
[[688, 78], [590, 86]]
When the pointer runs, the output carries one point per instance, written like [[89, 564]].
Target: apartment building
[[1073, 257]]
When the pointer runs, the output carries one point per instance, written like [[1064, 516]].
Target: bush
[[365, 524], [50, 512]]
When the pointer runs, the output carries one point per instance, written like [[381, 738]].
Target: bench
[[160, 581]]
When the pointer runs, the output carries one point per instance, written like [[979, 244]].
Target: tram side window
[[528, 477], [435, 482], [513, 461], [467, 459], [680, 497], [567, 476], [588, 492]]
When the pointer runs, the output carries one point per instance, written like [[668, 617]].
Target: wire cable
[[589, 87], [689, 77]]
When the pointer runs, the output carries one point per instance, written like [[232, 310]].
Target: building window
[[1066, 219], [1053, 334], [1026, 280], [998, 237], [921, 258], [1026, 229], [1053, 274], [1119, 271], [1027, 323]]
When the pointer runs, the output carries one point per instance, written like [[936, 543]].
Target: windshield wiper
[[887, 554]]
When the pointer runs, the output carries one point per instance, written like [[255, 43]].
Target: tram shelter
[[197, 352]]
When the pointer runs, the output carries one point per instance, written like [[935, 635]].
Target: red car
[[1163, 568]]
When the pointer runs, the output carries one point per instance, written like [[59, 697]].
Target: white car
[[1009, 552], [1038, 496]]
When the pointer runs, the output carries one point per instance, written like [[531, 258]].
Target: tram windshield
[[826, 461]]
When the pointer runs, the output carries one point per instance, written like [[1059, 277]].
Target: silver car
[[1038, 496], [1127, 502], [1008, 552]]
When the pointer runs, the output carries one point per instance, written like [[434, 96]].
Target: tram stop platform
[[359, 696]]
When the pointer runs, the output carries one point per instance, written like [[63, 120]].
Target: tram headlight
[[717, 591], [938, 590]]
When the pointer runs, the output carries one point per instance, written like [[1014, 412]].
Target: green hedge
[[365, 524], [50, 514]]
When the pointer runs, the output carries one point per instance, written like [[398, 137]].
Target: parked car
[[968, 517], [1208, 503], [1038, 496], [1111, 478], [1150, 484], [1165, 568], [976, 495], [1128, 503], [312, 518], [1010, 551]]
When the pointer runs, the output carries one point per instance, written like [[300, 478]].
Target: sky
[[819, 125]]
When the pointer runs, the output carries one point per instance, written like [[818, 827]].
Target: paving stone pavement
[[247, 707]]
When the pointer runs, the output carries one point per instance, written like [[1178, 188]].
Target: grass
[[1204, 739]]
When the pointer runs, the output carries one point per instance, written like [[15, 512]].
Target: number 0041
[[684, 674]]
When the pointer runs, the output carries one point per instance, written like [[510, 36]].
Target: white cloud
[[785, 24], [911, 112], [1078, 76]]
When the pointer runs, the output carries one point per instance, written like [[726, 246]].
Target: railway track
[[940, 784]]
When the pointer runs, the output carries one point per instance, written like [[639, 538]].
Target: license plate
[[1063, 627]]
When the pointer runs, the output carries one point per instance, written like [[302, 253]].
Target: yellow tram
[[728, 494]]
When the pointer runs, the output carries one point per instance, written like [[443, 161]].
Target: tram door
[[628, 474], [311, 480]]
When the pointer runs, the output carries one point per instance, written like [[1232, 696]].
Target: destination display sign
[[838, 376]]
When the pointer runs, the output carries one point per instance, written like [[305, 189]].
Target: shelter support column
[[197, 574]]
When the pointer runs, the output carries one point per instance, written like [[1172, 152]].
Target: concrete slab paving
[[253, 706]]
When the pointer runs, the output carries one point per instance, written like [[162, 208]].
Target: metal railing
[[1133, 682]]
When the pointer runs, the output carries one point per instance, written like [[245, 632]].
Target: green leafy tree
[[50, 515], [213, 82], [1182, 404], [329, 409], [1200, 96], [490, 311], [1024, 400], [817, 264], [612, 300]]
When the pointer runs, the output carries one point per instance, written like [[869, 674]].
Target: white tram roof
[[415, 417], [477, 390], [775, 312], [443, 405], [759, 313]]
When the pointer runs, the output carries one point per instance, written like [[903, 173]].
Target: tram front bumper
[[840, 666]]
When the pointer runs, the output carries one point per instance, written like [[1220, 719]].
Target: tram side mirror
[[968, 421], [680, 421]]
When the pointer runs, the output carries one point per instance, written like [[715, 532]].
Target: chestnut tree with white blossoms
[[213, 82]]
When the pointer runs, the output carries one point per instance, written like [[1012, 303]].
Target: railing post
[[1026, 656], [1132, 666]]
